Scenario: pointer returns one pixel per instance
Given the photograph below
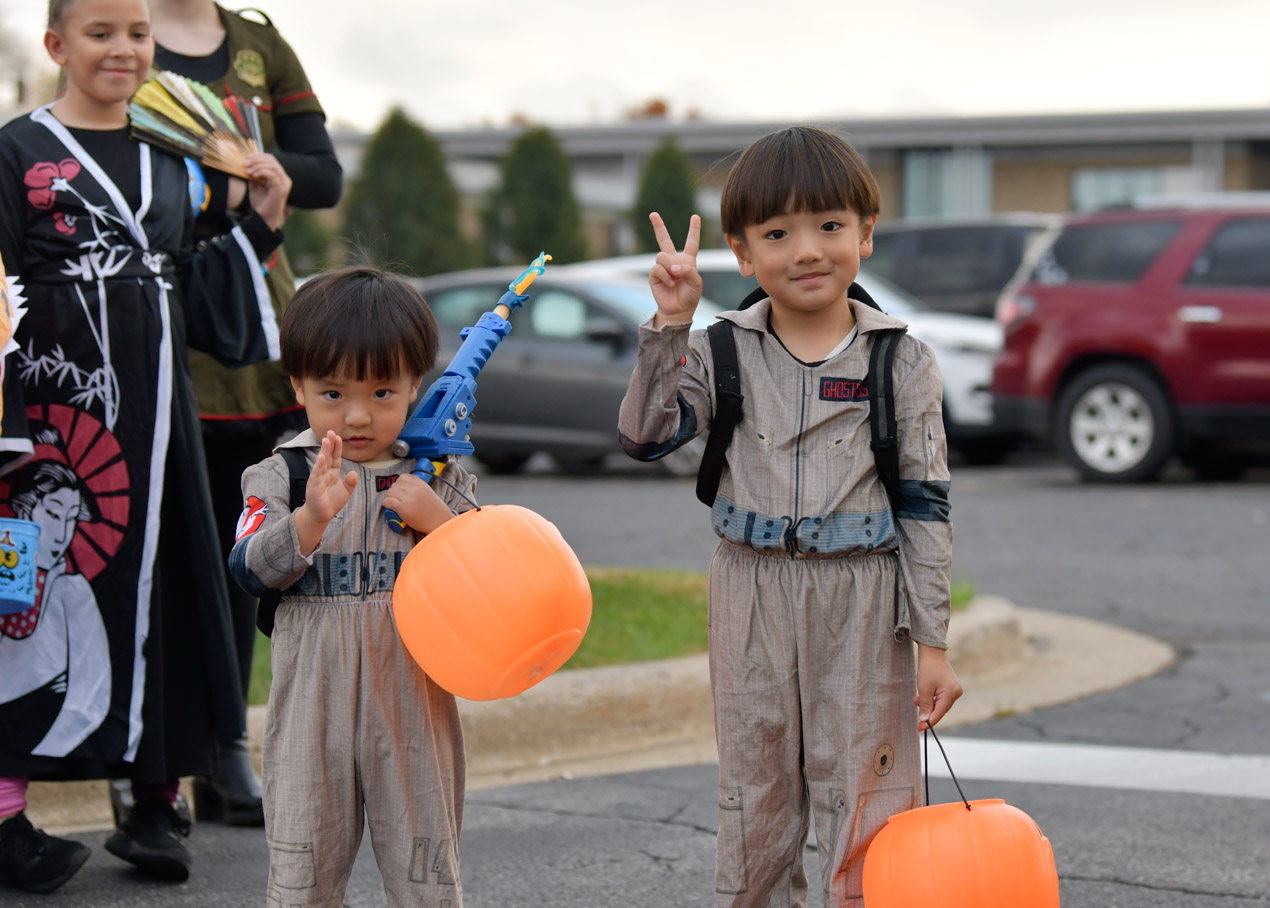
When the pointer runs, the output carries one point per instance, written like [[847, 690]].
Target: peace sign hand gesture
[[674, 280]]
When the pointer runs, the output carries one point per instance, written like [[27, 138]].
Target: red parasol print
[[79, 441]]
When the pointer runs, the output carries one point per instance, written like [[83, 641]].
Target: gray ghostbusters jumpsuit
[[816, 590], [353, 724]]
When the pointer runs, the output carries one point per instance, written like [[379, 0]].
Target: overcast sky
[[454, 65]]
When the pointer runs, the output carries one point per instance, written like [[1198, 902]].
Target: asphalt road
[[1185, 562]]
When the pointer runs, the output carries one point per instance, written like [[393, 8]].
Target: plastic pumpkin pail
[[19, 540], [990, 856], [491, 602]]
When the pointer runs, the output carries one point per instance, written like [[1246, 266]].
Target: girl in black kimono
[[96, 238]]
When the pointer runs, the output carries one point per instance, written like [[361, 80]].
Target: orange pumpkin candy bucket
[[492, 602], [964, 854]]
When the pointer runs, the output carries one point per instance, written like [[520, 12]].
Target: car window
[[636, 301], [957, 260], [558, 314], [1103, 253], [1238, 255], [457, 308], [885, 257]]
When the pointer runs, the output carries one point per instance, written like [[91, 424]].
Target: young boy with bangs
[[354, 727], [818, 588]]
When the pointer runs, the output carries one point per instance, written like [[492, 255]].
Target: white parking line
[[1137, 768]]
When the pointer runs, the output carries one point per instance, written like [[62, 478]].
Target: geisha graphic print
[[100, 445], [94, 361]]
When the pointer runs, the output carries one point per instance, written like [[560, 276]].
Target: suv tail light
[[1014, 306]]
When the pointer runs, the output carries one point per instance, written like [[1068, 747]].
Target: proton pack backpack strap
[[727, 409], [884, 441], [298, 470]]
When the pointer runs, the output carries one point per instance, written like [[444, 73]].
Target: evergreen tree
[[534, 209], [666, 187], [403, 208], [308, 242]]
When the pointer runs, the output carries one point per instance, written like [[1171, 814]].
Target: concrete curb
[[629, 717], [648, 715]]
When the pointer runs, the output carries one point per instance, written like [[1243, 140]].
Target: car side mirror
[[607, 331]]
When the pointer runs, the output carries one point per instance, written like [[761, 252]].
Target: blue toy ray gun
[[439, 425]]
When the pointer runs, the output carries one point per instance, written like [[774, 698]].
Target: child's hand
[[417, 504], [325, 494], [937, 686], [675, 282], [269, 188]]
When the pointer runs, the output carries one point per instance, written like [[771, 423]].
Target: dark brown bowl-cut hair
[[801, 168], [358, 323]]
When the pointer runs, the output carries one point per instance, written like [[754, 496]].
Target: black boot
[[33, 860], [231, 794], [121, 802], [150, 839]]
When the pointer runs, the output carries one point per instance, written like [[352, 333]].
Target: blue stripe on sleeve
[[924, 500]]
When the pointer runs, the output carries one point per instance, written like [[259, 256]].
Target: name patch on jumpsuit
[[844, 389]]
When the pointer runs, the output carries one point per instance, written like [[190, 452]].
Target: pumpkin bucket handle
[[926, 735], [462, 494]]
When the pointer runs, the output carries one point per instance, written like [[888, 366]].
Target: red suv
[[1135, 334]]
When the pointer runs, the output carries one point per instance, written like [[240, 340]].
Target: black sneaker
[[150, 840], [33, 860]]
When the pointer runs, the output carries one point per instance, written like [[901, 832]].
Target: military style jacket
[[265, 71], [800, 480]]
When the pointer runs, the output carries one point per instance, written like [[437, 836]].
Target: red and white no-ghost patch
[[251, 518]]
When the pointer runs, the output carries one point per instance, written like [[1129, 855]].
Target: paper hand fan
[[188, 119]]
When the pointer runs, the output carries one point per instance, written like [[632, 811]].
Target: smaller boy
[[817, 587], [354, 726]]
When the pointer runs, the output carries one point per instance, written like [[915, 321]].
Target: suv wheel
[[1115, 424]]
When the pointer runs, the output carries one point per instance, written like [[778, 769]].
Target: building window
[[1107, 187], [950, 183]]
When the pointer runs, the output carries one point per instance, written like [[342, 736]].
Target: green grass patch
[[637, 615]]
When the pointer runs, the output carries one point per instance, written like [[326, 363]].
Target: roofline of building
[[704, 136]]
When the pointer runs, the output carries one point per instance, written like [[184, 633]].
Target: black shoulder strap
[[886, 448], [727, 409], [298, 469]]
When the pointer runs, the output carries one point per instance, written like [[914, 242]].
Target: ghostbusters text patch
[[844, 389]]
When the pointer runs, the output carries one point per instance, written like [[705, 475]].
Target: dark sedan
[[555, 383]]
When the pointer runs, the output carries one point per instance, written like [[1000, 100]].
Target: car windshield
[[637, 302]]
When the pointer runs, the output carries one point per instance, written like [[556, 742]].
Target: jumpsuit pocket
[[872, 810], [729, 870], [291, 865]]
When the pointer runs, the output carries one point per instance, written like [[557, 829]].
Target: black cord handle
[[926, 764], [462, 494]]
